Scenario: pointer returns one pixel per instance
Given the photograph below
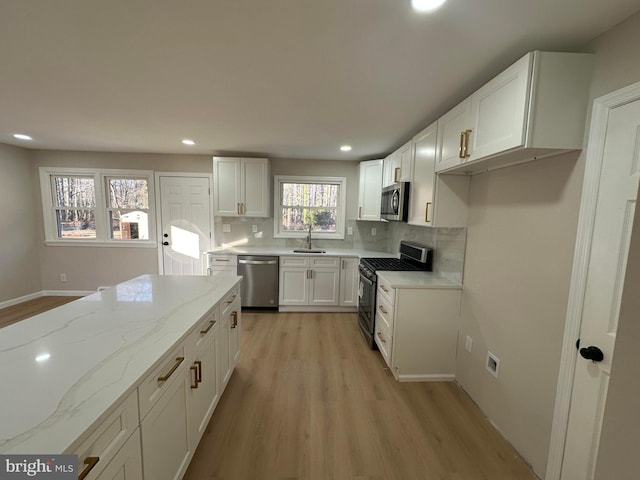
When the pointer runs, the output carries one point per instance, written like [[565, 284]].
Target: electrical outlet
[[63, 277], [349, 230], [254, 228], [226, 227], [468, 344], [493, 364], [373, 232]]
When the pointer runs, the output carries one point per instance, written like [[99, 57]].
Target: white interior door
[[605, 281], [185, 220]]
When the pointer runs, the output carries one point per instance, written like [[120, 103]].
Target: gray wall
[[89, 267], [19, 223], [521, 236]]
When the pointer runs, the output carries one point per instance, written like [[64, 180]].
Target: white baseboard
[[308, 308], [427, 378], [46, 293], [66, 293], [24, 298]]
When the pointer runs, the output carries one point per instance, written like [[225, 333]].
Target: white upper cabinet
[[369, 190], [435, 200], [241, 187], [536, 108], [397, 166]]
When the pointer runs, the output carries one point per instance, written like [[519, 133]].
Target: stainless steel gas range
[[413, 257]]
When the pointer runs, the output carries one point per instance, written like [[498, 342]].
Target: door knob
[[165, 243], [592, 353]]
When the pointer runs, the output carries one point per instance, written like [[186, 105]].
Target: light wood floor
[[27, 309], [308, 400]]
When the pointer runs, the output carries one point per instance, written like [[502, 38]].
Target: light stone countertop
[[65, 370], [417, 280], [280, 251]]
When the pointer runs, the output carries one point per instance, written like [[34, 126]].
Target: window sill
[[85, 243]]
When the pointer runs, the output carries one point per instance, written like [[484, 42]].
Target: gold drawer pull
[[234, 316], [206, 330], [165, 377], [90, 462], [232, 298], [380, 337], [221, 260], [386, 290], [381, 308], [199, 372], [194, 369]]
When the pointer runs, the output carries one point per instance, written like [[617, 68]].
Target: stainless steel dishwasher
[[259, 280]]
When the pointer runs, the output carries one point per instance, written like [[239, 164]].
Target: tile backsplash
[[448, 243]]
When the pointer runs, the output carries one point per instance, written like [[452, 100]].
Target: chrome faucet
[[309, 238]]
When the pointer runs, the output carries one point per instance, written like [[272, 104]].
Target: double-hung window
[[309, 202], [103, 207]]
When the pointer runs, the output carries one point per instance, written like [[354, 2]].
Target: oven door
[[366, 309]]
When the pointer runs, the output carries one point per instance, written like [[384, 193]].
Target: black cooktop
[[394, 264]]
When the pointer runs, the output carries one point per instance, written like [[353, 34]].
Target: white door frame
[[209, 177], [594, 160]]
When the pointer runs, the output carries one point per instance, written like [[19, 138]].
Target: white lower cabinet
[[127, 464], [309, 281], [165, 432], [417, 330], [349, 281]]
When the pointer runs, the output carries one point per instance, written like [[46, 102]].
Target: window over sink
[[308, 201]]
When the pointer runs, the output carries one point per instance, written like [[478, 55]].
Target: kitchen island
[[86, 376]]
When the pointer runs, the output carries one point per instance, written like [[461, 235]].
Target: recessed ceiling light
[[345, 148], [186, 141], [22, 136], [426, 5]]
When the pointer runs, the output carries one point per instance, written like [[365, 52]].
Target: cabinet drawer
[[324, 261], [214, 270], [384, 312], [151, 389], [203, 330], [385, 290], [127, 464], [108, 437], [299, 261], [384, 339], [227, 302], [222, 260]]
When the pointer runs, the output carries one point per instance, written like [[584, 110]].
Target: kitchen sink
[[308, 250]]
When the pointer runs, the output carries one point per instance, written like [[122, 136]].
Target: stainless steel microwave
[[394, 204]]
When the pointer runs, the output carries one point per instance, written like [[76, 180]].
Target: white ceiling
[[276, 78]]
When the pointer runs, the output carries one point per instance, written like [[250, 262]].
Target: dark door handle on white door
[[592, 353]]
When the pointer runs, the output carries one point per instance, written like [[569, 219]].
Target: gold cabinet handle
[[234, 316], [381, 308], [206, 330], [222, 260], [461, 150], [166, 376], [194, 369], [238, 205], [359, 212], [380, 337], [385, 289], [90, 462], [396, 174], [426, 213], [466, 143], [198, 364], [233, 297]]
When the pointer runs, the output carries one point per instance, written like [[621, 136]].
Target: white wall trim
[[427, 378], [66, 293], [602, 106], [24, 298], [45, 293]]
